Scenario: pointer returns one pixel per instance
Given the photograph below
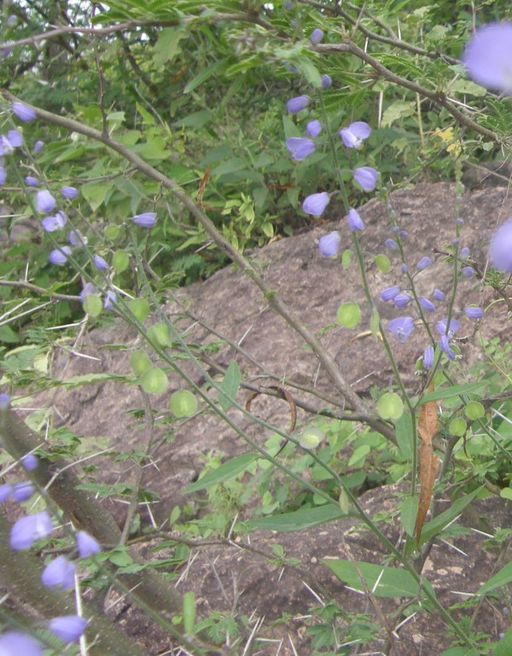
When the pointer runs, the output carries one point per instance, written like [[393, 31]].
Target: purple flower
[[392, 245], [59, 573], [5, 146], [100, 263], [488, 55], [23, 112], [13, 643], [295, 105], [55, 222], [401, 328], [69, 193], [15, 138], [5, 400], [3, 175], [329, 245], [445, 328], [473, 312], [355, 222], [468, 272], [59, 256], [326, 81], [68, 628], [424, 263], [389, 293], [355, 134], [300, 148], [404, 268], [313, 128], [428, 357], [426, 304], [45, 202], [401, 300], [29, 529], [87, 546], [75, 238], [88, 288], [22, 492], [315, 204], [464, 253], [366, 177], [110, 299], [38, 146], [438, 295], [5, 492], [30, 181], [146, 220], [12, 20], [501, 248], [444, 344], [316, 36], [30, 462]]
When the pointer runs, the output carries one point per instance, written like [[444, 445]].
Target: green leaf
[[506, 493], [310, 72], [8, 335], [204, 75], [460, 651], [467, 87], [298, 520], [403, 432], [223, 473], [229, 386], [397, 110], [408, 512], [168, 45], [504, 646], [95, 193], [195, 120], [381, 581], [440, 522], [503, 577], [189, 612], [454, 390], [92, 379]]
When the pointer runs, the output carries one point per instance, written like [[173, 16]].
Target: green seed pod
[[348, 315], [154, 381], [140, 363], [92, 305], [390, 406], [140, 308], [474, 410], [183, 404]]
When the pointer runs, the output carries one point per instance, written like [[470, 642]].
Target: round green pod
[[183, 404]]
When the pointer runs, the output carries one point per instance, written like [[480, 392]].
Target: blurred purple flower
[[12, 20], [22, 492], [329, 245], [313, 128], [403, 267], [3, 175], [5, 401], [13, 643], [30, 181], [29, 529], [59, 573], [428, 357], [468, 272], [110, 300], [473, 312], [401, 328], [389, 293], [87, 546], [300, 148], [15, 138], [444, 344], [445, 328], [391, 244], [438, 295], [326, 81], [464, 253], [45, 202], [366, 177], [316, 36], [5, 146], [427, 304], [68, 628], [23, 112], [315, 204], [5, 492], [355, 134], [30, 462], [297, 104], [59, 256], [145, 220], [354, 220], [76, 239], [424, 263], [100, 263], [55, 222], [69, 193], [401, 300], [38, 146], [88, 289], [501, 248], [488, 55]]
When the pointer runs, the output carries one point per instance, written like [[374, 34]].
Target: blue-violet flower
[[355, 134]]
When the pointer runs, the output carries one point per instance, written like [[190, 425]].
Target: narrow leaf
[[437, 524], [229, 386], [298, 520], [449, 392], [223, 473], [380, 581]]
